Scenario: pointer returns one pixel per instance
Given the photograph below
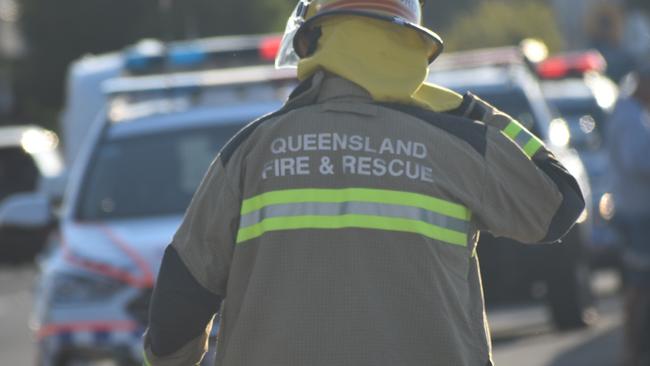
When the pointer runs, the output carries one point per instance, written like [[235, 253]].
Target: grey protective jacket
[[340, 231]]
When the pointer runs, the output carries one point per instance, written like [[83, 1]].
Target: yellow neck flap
[[388, 61]]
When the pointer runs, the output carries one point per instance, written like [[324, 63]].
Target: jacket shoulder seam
[[240, 137], [472, 132]]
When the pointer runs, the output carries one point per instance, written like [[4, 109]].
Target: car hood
[[128, 250]]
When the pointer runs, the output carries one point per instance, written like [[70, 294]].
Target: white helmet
[[302, 30]]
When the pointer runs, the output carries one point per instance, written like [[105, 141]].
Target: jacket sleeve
[[528, 195], [193, 275]]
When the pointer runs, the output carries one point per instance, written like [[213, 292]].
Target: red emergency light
[[572, 64], [269, 48]]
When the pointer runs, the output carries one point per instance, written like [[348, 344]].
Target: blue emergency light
[[145, 55], [152, 56], [186, 56]]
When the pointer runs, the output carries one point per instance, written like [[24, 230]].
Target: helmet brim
[[301, 47]]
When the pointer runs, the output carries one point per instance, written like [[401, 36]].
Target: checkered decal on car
[[129, 340]]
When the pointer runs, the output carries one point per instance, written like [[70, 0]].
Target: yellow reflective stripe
[[356, 195], [146, 361], [533, 146], [513, 130], [352, 221]]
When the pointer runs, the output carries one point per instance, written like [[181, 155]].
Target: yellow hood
[[390, 62]]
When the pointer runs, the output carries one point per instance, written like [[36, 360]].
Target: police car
[[575, 85], [30, 165], [134, 177], [513, 272], [84, 95]]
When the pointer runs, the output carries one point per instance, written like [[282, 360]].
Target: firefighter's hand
[[491, 115]]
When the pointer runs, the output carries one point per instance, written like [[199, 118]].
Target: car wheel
[[570, 296]]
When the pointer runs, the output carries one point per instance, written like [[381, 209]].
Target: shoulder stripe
[[528, 142]]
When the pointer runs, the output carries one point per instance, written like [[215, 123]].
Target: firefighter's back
[[355, 241]]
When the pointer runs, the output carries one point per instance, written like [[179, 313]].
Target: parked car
[[584, 97], [85, 98], [127, 192], [29, 166], [513, 272]]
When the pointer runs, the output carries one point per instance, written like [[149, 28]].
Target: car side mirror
[[54, 187], [26, 211]]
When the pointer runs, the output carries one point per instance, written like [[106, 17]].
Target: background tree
[[640, 4], [58, 32], [501, 22], [439, 15]]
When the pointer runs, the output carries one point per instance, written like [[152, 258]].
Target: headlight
[[35, 141], [606, 206], [68, 289], [559, 133]]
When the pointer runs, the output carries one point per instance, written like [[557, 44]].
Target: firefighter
[[342, 229]]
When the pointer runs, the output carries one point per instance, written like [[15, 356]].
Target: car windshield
[[149, 175]]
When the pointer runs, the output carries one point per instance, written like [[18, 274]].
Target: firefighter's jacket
[[340, 231]]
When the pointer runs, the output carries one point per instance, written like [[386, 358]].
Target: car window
[[149, 175], [18, 172]]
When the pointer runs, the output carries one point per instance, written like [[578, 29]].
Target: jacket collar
[[325, 87]]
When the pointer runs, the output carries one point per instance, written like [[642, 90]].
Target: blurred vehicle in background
[[513, 272], [127, 191], [575, 85], [85, 98], [30, 163]]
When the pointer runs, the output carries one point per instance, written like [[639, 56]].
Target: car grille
[[138, 308]]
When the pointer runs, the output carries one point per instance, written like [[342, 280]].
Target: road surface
[[522, 336]]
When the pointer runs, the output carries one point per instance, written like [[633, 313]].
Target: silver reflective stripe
[[522, 138], [354, 208]]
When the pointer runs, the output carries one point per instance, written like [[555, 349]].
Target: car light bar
[[478, 58], [145, 55], [134, 97], [151, 56], [269, 48], [571, 64], [187, 56], [188, 81]]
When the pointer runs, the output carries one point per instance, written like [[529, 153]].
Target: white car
[[126, 196], [85, 76]]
